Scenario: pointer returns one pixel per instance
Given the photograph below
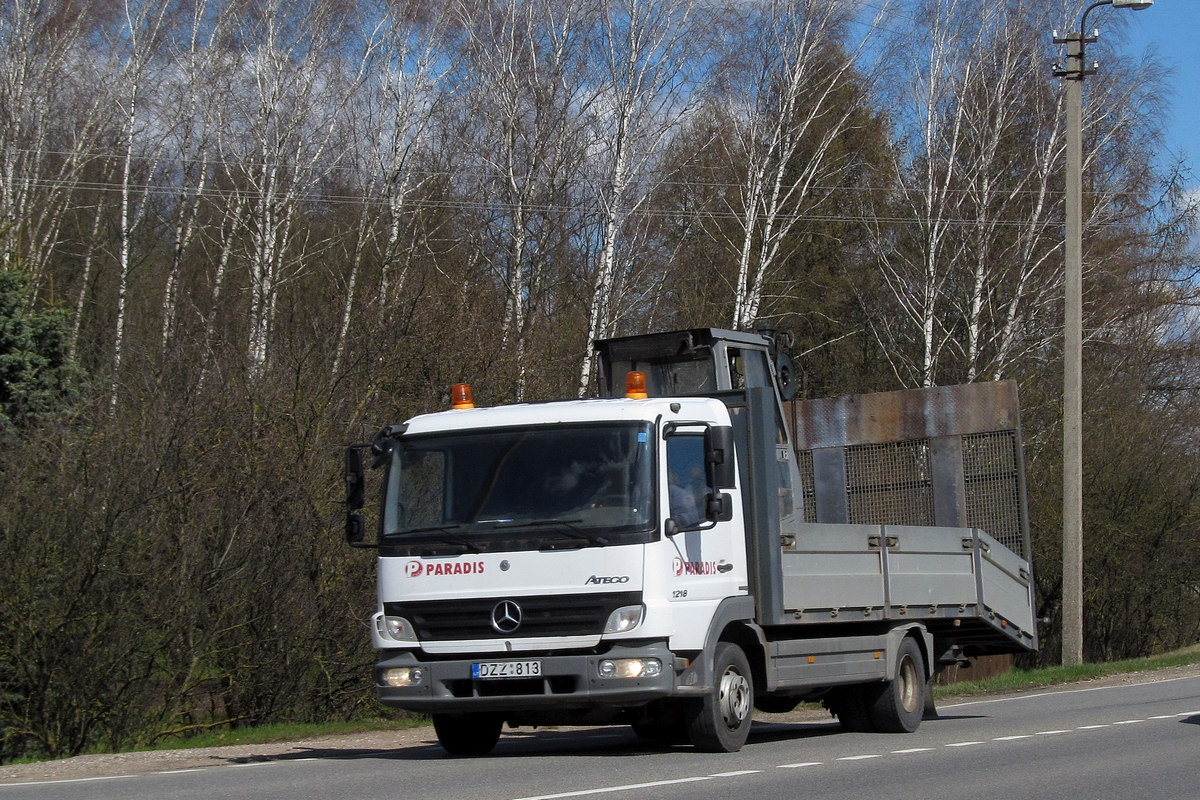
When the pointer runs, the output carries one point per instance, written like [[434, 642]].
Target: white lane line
[[735, 773], [1129, 722], [1050, 733], [963, 744], [1093, 727], [1013, 738], [860, 758], [611, 789], [67, 780], [800, 765], [912, 750]]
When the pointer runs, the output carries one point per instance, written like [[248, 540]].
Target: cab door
[[706, 556]]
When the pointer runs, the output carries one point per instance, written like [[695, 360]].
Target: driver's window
[[687, 486]]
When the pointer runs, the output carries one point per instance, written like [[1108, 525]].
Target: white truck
[[663, 556]]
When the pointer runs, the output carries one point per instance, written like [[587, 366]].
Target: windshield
[[521, 488]]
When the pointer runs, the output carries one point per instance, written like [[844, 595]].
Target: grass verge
[[1021, 679], [285, 732]]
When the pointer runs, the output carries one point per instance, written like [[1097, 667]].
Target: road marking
[[801, 764], [735, 773], [860, 758], [1050, 733], [1093, 727], [912, 750], [68, 780], [1013, 738], [626, 788], [963, 744], [1129, 722]]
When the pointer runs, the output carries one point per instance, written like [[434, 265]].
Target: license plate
[[506, 669]]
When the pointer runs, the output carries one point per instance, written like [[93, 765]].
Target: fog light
[[629, 668], [403, 676]]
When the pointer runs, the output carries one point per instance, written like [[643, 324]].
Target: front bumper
[[566, 682]]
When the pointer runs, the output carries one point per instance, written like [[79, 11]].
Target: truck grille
[[548, 615]]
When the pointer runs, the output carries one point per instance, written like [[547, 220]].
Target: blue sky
[[1172, 28]]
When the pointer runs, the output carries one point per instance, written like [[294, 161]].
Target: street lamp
[[1074, 73]]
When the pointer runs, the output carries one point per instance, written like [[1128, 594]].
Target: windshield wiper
[[449, 534], [566, 527]]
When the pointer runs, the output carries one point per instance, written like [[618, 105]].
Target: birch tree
[[139, 49], [649, 57], [917, 262], [1006, 173], [395, 121], [286, 105], [189, 109], [794, 104], [528, 89], [51, 122]]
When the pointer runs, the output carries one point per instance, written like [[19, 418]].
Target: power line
[[414, 204]]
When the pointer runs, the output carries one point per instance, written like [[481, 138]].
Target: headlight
[[397, 629], [624, 619], [629, 667]]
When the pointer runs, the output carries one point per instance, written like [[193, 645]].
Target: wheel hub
[[734, 698]]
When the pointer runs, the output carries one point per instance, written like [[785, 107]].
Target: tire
[[467, 734], [851, 706], [899, 706], [720, 722]]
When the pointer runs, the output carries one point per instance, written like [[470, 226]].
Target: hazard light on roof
[[460, 395], [635, 386]]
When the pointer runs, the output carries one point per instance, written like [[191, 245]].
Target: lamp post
[[1074, 73]]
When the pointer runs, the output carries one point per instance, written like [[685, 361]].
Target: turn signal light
[[460, 395], [635, 386]]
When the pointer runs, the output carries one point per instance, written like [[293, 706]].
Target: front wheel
[[467, 734], [898, 708], [720, 722]]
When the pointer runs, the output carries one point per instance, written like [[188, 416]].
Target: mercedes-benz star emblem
[[506, 616]]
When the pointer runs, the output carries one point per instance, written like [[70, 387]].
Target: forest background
[[237, 235]]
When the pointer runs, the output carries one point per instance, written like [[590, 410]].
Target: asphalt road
[[1102, 743]]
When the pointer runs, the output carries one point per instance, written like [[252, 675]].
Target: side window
[[685, 478]]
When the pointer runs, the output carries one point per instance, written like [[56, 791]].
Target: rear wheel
[[898, 708], [721, 722], [467, 734]]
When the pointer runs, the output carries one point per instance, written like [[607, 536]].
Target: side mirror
[[719, 458], [785, 376], [354, 479]]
